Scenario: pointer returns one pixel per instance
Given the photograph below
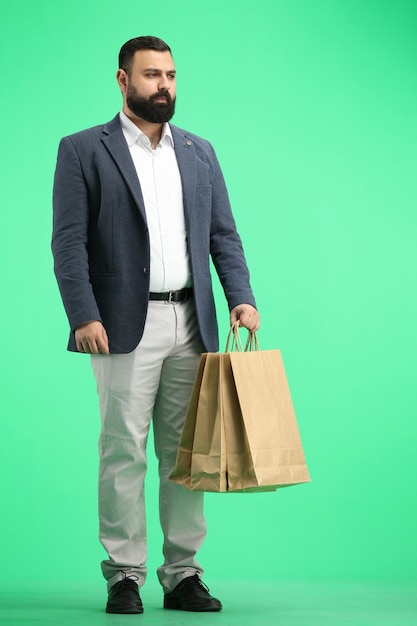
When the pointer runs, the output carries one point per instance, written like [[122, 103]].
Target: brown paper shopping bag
[[201, 457], [268, 421], [208, 458], [240, 433]]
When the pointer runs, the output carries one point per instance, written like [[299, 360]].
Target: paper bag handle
[[235, 342], [252, 343], [233, 339]]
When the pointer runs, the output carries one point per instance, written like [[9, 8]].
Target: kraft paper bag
[[182, 471], [201, 457], [240, 474], [240, 433], [269, 421], [208, 471]]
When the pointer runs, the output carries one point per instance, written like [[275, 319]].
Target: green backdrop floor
[[245, 604]]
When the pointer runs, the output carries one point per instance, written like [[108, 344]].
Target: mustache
[[162, 93]]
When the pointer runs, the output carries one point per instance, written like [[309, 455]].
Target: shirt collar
[[133, 134]]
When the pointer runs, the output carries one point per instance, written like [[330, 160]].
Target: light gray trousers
[[153, 381]]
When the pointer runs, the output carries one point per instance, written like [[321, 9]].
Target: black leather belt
[[181, 295]]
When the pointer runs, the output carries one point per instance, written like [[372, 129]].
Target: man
[[139, 207]]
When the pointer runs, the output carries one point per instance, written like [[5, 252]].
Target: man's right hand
[[91, 338]]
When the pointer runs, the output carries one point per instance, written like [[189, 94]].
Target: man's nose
[[164, 83]]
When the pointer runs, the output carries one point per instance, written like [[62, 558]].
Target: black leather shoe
[[124, 598], [191, 594]]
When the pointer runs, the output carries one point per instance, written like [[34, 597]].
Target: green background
[[311, 106]]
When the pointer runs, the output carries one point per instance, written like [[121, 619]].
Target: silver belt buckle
[[170, 297]]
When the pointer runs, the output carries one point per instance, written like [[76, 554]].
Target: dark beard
[[149, 110]]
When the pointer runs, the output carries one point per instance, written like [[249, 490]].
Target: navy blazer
[[101, 242]]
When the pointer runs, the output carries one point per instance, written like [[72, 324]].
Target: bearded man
[[140, 206]]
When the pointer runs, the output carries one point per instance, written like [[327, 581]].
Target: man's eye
[[151, 75]]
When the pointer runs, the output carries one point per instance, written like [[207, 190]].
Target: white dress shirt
[[160, 182]]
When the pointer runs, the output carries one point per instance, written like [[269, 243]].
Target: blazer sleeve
[[226, 248], [69, 238]]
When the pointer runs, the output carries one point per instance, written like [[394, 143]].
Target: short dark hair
[[127, 51]]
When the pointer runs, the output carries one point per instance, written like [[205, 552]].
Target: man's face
[[149, 91]]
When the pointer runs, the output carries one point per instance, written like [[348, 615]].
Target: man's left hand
[[247, 316]]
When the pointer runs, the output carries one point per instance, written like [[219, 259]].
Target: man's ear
[[121, 78]]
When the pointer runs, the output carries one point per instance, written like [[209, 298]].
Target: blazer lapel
[[184, 150], [115, 143]]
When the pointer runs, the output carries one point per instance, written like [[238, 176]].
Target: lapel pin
[[189, 143]]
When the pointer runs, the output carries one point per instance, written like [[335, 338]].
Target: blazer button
[[145, 270]]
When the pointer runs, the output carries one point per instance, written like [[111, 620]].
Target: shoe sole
[[122, 610], [176, 606]]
